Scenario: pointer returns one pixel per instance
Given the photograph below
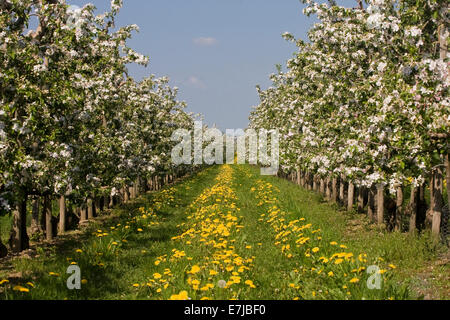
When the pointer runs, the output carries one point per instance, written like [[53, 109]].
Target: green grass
[[112, 266]]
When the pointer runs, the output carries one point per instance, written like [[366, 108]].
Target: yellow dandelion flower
[[21, 289], [195, 269], [212, 272]]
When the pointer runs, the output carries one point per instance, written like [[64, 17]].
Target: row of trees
[[74, 125], [363, 107]]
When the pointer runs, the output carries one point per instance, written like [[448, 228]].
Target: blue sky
[[215, 51]]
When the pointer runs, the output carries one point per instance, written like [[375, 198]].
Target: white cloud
[[195, 82], [205, 41]]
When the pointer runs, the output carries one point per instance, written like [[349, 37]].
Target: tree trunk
[[334, 191], [3, 250], [436, 202], [361, 199], [413, 208], [100, 204], [48, 217], [371, 204], [35, 224], [62, 214], [19, 240], [351, 196], [328, 188], [150, 184], [322, 186], [90, 208], [342, 190], [399, 209], [380, 204], [83, 214], [110, 201], [447, 169], [126, 194]]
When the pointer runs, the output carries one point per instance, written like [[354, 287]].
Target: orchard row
[[74, 126], [363, 109]]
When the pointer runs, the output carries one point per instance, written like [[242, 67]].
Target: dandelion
[[354, 280], [157, 276], [84, 281], [183, 295], [195, 269], [250, 283], [212, 272], [136, 285], [21, 289], [3, 281], [315, 250], [222, 284]]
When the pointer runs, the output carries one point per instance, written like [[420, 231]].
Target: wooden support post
[[380, 204], [83, 214], [361, 199], [399, 209], [90, 208], [334, 191], [436, 202], [371, 204], [413, 208], [62, 214], [19, 240], [342, 190], [351, 196], [48, 217], [35, 225]]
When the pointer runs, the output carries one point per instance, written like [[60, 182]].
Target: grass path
[[228, 233]]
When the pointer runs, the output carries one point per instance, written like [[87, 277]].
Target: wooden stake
[[351, 196], [62, 214], [380, 204]]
